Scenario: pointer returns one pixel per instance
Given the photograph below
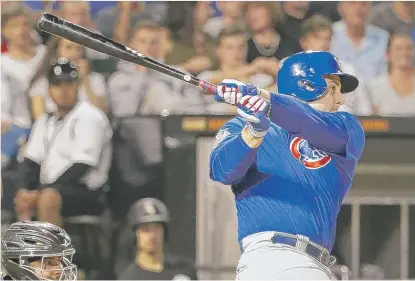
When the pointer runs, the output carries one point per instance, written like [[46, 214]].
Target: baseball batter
[[290, 158]]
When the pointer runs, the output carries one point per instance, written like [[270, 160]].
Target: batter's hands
[[255, 110], [231, 91]]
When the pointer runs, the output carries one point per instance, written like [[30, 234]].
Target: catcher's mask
[[37, 251]]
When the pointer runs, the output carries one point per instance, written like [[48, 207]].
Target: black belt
[[303, 244]]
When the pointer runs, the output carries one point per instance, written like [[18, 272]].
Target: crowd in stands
[[246, 41], [232, 39]]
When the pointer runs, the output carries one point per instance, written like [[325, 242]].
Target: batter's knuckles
[[263, 106], [221, 89]]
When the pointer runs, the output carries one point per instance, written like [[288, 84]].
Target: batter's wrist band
[[256, 134]]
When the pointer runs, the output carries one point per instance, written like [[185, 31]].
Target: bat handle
[[207, 86]]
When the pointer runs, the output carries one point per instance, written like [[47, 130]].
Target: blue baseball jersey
[[296, 180]]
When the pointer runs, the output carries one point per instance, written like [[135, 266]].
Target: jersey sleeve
[[92, 134], [231, 157], [353, 149], [333, 132], [35, 146]]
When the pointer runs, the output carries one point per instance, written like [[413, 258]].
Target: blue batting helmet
[[302, 75]]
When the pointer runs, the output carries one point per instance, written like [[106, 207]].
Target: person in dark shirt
[[149, 218], [265, 42], [295, 12]]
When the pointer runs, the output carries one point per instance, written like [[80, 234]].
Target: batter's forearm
[[229, 162], [249, 139]]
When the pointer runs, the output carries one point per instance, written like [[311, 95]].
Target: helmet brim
[[349, 82]]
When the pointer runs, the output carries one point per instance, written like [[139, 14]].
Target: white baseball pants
[[263, 260]]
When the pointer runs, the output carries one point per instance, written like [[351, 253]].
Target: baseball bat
[[93, 40]]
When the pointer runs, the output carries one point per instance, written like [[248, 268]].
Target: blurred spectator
[[92, 84], [96, 6], [173, 54], [397, 16], [266, 47], [34, 11], [139, 90], [193, 50], [67, 157], [200, 14], [117, 21], [23, 57], [325, 8], [40, 5], [232, 51], [129, 84], [79, 12], [357, 42], [14, 104], [149, 218], [393, 94], [15, 120], [183, 17], [316, 34], [232, 13], [295, 12]]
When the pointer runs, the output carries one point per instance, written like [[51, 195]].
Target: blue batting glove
[[230, 91], [255, 110]]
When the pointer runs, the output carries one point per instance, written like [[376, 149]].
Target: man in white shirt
[[68, 155], [137, 90], [317, 35], [357, 42]]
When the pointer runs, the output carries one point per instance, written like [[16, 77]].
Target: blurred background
[[164, 128]]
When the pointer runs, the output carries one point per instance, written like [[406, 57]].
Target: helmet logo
[[339, 64], [149, 207], [298, 71], [307, 85]]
